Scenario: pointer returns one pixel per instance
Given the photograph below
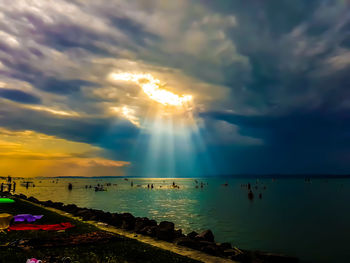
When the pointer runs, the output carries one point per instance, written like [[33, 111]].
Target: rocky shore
[[165, 230]]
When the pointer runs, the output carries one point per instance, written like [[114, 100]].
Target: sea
[[309, 219]]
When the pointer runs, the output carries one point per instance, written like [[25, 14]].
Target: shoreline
[[163, 235]]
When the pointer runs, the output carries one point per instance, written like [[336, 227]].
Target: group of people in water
[[100, 187], [11, 185], [201, 184], [250, 192], [254, 190]]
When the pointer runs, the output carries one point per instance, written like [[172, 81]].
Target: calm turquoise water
[[307, 220]]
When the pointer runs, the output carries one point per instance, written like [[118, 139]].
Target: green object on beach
[[6, 200]]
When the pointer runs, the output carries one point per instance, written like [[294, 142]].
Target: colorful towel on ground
[[27, 217], [6, 200], [5, 220], [60, 226]]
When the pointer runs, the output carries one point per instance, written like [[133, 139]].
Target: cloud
[[84, 129], [297, 130], [96, 162], [61, 86], [29, 153], [261, 74], [19, 96]]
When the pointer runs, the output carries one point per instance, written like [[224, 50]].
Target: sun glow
[[151, 86]]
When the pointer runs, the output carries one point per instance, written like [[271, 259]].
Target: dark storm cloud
[[65, 37], [133, 29], [19, 96], [300, 142], [61, 86], [302, 128]]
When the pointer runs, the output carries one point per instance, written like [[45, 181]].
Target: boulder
[[85, 214], [71, 208], [165, 231], [115, 220], [128, 221], [187, 242], [142, 222], [224, 246], [33, 199], [242, 255], [48, 203], [178, 233], [98, 214], [149, 231], [193, 234], [211, 249], [231, 252], [206, 235], [204, 243], [22, 196], [105, 217], [57, 205]]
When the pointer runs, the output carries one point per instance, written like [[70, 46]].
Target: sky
[[174, 88]]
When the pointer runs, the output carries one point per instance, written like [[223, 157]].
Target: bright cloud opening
[[151, 86]]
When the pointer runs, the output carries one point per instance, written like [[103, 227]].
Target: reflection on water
[[305, 219]]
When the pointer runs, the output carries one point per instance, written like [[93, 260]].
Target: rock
[[152, 222], [230, 252], [115, 220], [128, 221], [22, 196], [187, 242], [57, 205], [71, 208], [165, 231], [193, 234], [105, 217], [204, 243], [142, 222], [149, 231], [211, 249], [275, 258], [48, 203], [33, 199], [85, 214], [224, 246], [97, 214], [206, 235], [178, 233], [242, 255]]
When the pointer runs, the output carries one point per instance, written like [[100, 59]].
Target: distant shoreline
[[240, 176]]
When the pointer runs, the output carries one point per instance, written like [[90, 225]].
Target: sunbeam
[[169, 127]]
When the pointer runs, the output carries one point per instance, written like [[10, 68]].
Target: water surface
[[307, 220]]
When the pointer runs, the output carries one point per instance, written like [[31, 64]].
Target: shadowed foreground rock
[[206, 235], [165, 231]]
